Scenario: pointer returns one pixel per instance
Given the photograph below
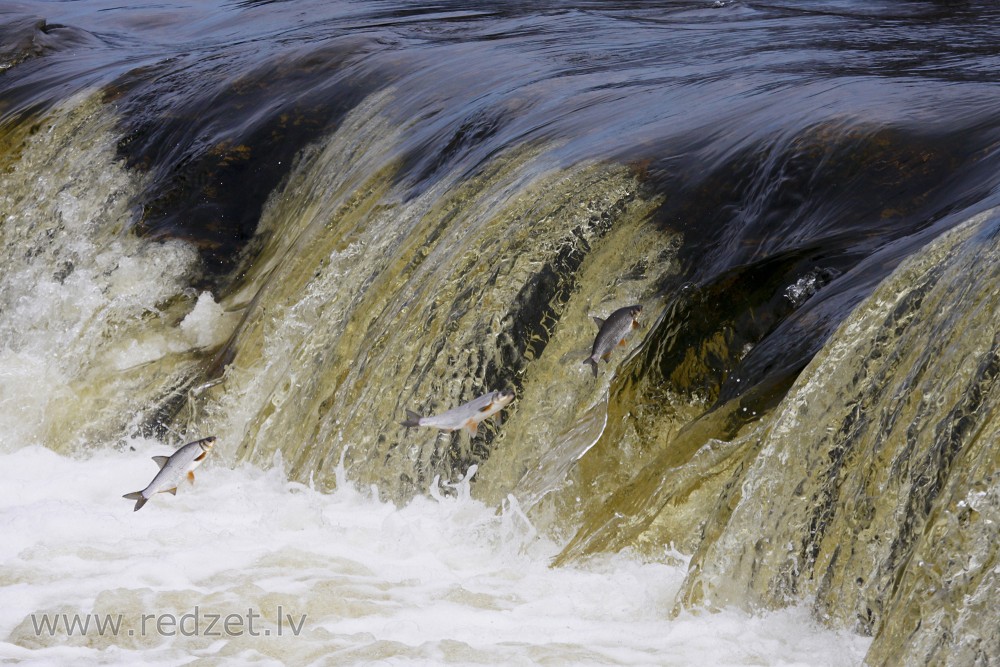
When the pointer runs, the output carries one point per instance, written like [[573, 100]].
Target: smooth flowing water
[[286, 223]]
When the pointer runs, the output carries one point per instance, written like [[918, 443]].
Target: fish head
[[504, 397], [208, 443], [634, 312]]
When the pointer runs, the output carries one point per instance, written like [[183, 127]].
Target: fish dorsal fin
[[599, 321], [161, 460]]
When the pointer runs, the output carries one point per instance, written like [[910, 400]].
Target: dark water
[[813, 141]]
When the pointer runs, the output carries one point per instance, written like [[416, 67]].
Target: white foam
[[207, 324], [444, 580], [82, 299]]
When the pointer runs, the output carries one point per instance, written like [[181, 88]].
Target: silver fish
[[467, 416], [172, 470], [613, 332]]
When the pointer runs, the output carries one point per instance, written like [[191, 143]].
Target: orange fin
[[487, 408], [473, 426], [172, 491], [202, 457], [622, 342], [191, 476], [606, 356]]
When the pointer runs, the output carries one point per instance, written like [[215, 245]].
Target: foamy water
[[353, 580]]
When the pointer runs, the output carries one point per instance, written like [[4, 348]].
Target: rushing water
[[285, 223], [353, 580]]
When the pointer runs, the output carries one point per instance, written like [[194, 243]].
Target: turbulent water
[[287, 223]]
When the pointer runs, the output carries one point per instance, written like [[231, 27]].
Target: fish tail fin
[[139, 499], [593, 364], [412, 419]]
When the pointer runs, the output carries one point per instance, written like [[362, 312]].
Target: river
[[286, 223]]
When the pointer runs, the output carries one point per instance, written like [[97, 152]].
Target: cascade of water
[[288, 239]]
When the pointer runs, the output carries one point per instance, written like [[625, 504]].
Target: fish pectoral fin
[[473, 426], [202, 456], [190, 476], [487, 407], [599, 321], [161, 460]]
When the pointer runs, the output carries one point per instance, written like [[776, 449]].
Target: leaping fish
[[468, 415], [172, 470], [613, 332]]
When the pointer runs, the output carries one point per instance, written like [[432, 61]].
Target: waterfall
[[290, 239], [884, 509]]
